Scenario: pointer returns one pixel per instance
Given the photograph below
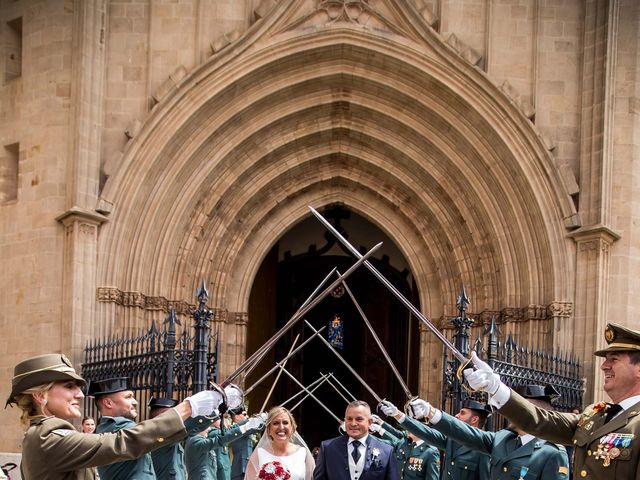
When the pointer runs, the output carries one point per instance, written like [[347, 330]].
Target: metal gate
[[172, 362], [516, 364]]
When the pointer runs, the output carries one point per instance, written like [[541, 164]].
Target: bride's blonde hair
[[273, 413]]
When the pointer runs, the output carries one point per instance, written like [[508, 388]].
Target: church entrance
[[295, 266]]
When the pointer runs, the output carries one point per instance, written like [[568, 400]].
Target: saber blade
[[346, 364], [299, 314], [310, 393], [393, 289]]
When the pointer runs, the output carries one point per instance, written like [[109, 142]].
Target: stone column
[[81, 220], [592, 289], [79, 279]]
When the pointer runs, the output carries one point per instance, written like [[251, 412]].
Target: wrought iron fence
[[173, 362], [516, 364]]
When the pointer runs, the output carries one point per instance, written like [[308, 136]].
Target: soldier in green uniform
[[605, 436], [168, 461], [48, 391], [241, 447], [514, 454], [416, 459], [199, 457], [460, 461], [118, 409], [201, 451], [422, 460], [394, 437]]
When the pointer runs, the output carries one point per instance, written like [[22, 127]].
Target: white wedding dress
[[295, 463]]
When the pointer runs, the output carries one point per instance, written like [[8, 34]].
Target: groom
[[359, 456]]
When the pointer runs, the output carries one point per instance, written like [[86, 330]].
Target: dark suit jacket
[[333, 462]]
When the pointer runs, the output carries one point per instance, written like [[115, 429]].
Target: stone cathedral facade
[[149, 144]]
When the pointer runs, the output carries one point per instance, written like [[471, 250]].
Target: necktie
[[611, 412], [518, 442], [356, 451]]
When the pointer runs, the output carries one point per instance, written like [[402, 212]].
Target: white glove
[[254, 423], [388, 408], [376, 419], [375, 428], [204, 403], [483, 378], [235, 396], [263, 416], [419, 408]]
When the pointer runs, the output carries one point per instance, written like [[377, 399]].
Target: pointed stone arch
[[381, 116]]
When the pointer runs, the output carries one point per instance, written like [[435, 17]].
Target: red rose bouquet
[[274, 471]]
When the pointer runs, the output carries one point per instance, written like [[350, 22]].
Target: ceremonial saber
[[322, 380], [312, 386], [273, 369], [378, 342], [310, 393], [337, 382], [461, 358], [326, 377], [346, 364], [264, 349], [297, 316], [273, 385]]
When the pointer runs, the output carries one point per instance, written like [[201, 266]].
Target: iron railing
[[173, 362]]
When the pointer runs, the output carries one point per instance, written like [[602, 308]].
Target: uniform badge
[[609, 334], [66, 361], [590, 412]]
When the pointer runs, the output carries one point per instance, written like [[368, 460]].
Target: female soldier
[[48, 391]]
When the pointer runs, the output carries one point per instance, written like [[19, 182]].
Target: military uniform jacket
[[140, 468], [200, 458], [241, 449], [54, 450], [460, 462], [221, 440], [589, 435], [537, 460], [168, 462], [398, 440], [422, 462]]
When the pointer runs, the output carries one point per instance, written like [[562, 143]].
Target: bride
[[281, 453]]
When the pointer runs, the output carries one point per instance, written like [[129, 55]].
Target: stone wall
[[96, 76]]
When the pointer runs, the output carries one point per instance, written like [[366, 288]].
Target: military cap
[[98, 388], [539, 392], [238, 410], [619, 339], [162, 402], [476, 405], [41, 370]]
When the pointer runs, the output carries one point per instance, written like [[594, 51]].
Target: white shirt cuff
[[436, 416], [502, 396]]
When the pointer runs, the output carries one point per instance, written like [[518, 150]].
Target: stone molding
[[551, 311], [157, 303]]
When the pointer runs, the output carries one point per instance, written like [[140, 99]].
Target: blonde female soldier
[[48, 391]]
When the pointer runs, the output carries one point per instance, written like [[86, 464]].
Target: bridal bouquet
[[274, 471]]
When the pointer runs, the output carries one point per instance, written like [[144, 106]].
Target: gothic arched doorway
[[295, 266]]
